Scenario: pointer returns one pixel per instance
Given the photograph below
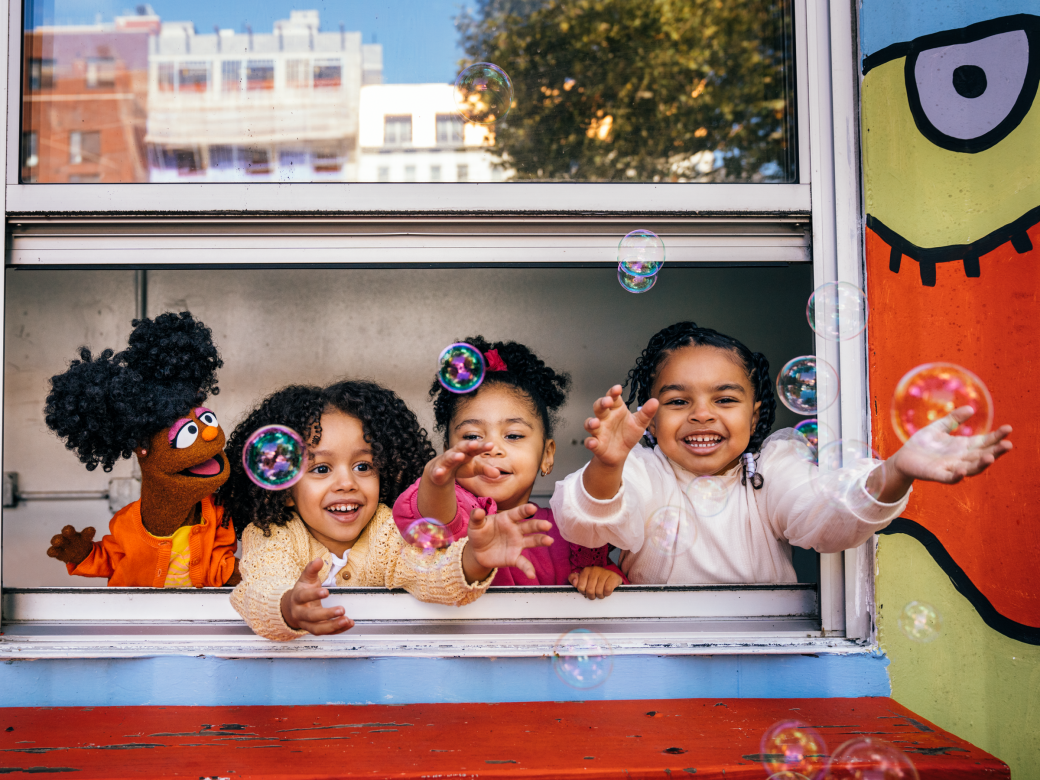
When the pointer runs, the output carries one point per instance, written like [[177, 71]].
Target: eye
[[471, 436], [969, 95], [321, 468], [363, 467], [208, 418], [186, 436], [514, 436]]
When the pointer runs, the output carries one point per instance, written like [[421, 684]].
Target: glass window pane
[[669, 91]]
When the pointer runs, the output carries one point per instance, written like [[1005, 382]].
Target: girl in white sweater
[[707, 404]]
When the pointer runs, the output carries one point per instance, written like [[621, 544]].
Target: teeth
[[342, 507], [705, 439]]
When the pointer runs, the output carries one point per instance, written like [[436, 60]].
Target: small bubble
[[670, 530], [807, 385], [792, 747], [635, 284], [274, 457], [426, 538], [921, 622], [709, 495], [461, 368], [837, 311], [641, 253], [483, 93], [583, 658], [870, 759]]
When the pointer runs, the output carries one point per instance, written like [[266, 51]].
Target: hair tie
[[494, 362], [749, 463]]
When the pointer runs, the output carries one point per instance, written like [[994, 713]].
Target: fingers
[[536, 540], [446, 465], [485, 469], [573, 577], [326, 627], [646, 414], [520, 513], [53, 551], [310, 574], [953, 420], [525, 566], [59, 541], [88, 534], [69, 532], [477, 518], [603, 406]]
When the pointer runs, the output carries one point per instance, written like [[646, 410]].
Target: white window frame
[[66, 622]]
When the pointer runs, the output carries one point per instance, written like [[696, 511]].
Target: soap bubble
[[920, 622], [461, 368], [837, 311], [792, 748], [426, 538], [815, 432], [933, 390], [870, 759], [670, 530], [583, 658], [838, 472], [641, 253], [274, 457], [635, 284], [483, 93], [807, 385], [709, 495]]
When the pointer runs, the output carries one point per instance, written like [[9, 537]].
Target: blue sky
[[418, 36]]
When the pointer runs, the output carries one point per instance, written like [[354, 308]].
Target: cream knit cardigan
[[271, 565]]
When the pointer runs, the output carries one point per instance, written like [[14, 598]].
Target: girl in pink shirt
[[497, 439]]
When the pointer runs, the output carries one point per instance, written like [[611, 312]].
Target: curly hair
[[400, 446], [682, 334], [525, 371], [106, 406]]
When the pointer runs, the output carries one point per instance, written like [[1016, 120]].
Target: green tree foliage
[[641, 90]]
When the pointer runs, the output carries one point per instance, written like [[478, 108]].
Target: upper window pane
[[617, 91]]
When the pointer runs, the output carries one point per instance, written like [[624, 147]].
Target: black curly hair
[[682, 334], [525, 371], [400, 446], [106, 406]]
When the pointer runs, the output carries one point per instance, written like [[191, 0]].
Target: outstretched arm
[[436, 497], [934, 454], [613, 432], [499, 541], [72, 546]]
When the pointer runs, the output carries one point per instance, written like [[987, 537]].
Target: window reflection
[[625, 90]]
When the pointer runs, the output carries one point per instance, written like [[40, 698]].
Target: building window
[[327, 73], [41, 74], [257, 160], [409, 173], [30, 151], [462, 172], [101, 72], [260, 74], [435, 173], [384, 173], [296, 74], [449, 129], [231, 75], [327, 161], [193, 77], [84, 147], [187, 162], [167, 77], [397, 130], [222, 158]]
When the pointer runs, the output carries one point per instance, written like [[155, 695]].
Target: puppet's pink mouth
[[207, 468]]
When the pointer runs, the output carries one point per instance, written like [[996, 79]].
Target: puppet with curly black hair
[[147, 400]]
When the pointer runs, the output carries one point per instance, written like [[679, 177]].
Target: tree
[[641, 90]]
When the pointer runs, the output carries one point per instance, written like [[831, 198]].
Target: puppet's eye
[[208, 418], [966, 97], [186, 436]]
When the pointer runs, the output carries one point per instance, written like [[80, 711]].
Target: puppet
[[147, 400]]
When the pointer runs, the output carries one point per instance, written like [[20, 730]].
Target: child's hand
[[614, 431], [72, 546], [302, 609], [460, 461], [934, 455], [595, 582], [498, 541]]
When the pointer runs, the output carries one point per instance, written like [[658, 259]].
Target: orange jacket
[[131, 557]]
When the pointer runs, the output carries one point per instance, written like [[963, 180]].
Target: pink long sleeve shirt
[[552, 565]]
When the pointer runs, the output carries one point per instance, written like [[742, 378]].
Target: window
[[462, 172], [384, 173], [398, 130], [327, 161], [222, 158], [193, 77], [435, 173], [328, 74], [167, 77], [257, 160], [101, 72], [231, 75], [41, 74], [84, 147], [296, 75], [449, 129], [30, 151], [260, 74], [409, 173]]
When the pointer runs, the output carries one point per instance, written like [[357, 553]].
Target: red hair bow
[[494, 362]]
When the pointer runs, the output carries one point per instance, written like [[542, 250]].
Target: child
[[335, 525], [708, 402], [497, 439]]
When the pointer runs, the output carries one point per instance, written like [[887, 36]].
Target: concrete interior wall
[[274, 327]]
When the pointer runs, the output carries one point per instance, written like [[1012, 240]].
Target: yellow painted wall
[[972, 680]]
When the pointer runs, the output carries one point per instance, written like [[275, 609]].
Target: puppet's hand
[[72, 546], [235, 578]]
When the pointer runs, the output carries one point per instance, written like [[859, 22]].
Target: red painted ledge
[[671, 738]]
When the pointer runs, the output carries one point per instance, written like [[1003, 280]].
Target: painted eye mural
[[951, 156]]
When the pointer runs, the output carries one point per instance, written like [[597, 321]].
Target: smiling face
[[505, 417], [708, 409], [185, 462], [339, 493]]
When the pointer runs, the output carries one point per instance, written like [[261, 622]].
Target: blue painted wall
[[178, 680]]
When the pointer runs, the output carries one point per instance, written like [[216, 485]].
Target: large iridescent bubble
[[837, 311], [635, 284], [426, 539], [274, 457], [865, 758], [933, 390], [483, 93], [461, 368], [709, 495], [583, 658], [670, 530], [792, 746], [807, 385], [641, 253]]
